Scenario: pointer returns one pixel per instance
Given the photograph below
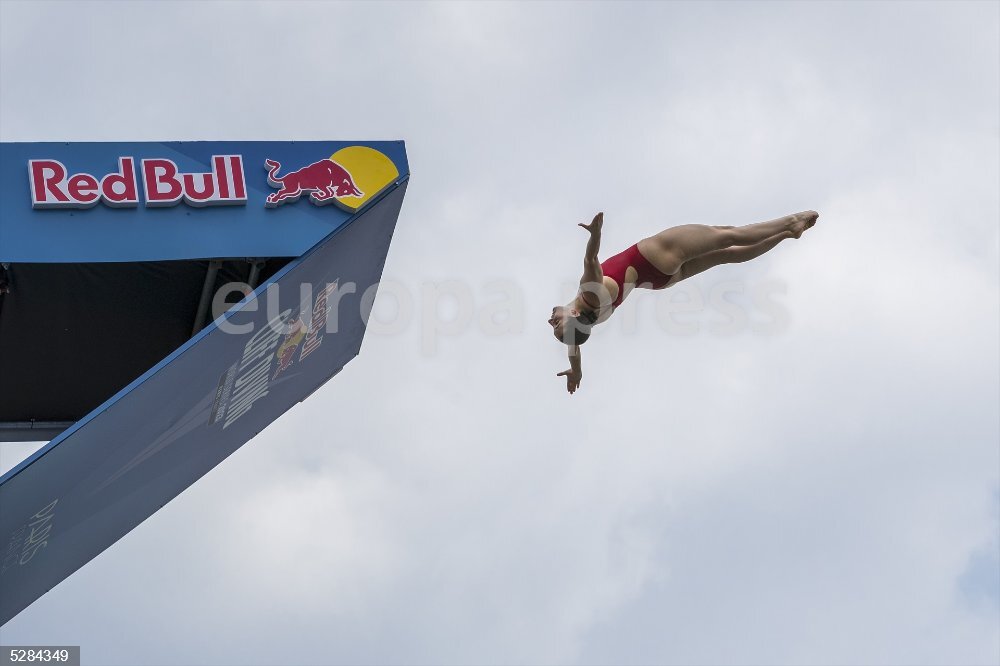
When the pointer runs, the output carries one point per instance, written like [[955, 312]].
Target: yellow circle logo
[[371, 171]]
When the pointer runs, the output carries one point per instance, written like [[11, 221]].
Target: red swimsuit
[[649, 276]]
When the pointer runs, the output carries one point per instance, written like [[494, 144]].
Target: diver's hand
[[573, 378], [595, 226]]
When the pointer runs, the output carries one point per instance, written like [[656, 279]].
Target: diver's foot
[[803, 221]]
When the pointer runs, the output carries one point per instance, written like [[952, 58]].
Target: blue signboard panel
[[87, 488], [105, 202]]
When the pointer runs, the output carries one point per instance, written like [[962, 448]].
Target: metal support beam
[[31, 431], [207, 291], [255, 266]]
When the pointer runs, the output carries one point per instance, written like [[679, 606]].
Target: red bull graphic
[[286, 350], [325, 181], [268, 354], [163, 184], [318, 326], [350, 178]]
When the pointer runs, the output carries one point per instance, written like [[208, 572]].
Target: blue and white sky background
[[811, 476]]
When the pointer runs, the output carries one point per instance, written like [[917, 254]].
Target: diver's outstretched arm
[[592, 272], [574, 374]]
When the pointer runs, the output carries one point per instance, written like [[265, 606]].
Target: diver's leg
[[669, 249], [732, 255]]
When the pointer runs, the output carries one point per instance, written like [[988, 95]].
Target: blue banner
[[88, 487], [95, 202]]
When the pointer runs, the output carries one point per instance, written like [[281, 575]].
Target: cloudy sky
[[792, 461]]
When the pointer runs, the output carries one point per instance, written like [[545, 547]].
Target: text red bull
[[163, 184]]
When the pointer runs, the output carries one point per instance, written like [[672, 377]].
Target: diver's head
[[570, 326]]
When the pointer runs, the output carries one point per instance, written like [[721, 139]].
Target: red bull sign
[[163, 184], [151, 201]]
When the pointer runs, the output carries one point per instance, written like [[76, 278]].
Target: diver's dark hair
[[587, 318], [580, 336], [578, 330]]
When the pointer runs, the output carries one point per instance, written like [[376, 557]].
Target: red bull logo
[[350, 178], [325, 181], [286, 350]]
